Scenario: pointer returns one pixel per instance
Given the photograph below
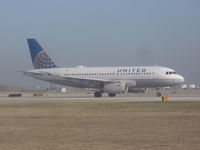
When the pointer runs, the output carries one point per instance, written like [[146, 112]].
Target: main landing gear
[[97, 94], [111, 95]]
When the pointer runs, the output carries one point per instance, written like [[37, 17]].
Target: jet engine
[[116, 87]]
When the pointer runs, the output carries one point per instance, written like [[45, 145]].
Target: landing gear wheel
[[111, 95], [158, 94], [97, 94]]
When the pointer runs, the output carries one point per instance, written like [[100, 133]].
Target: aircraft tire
[[111, 95], [97, 94], [158, 94]]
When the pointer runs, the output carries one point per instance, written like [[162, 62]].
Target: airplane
[[110, 80]]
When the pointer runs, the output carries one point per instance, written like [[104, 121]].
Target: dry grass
[[99, 125]]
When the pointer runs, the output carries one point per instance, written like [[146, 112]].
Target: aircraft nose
[[181, 79]]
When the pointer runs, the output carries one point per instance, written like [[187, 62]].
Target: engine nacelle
[[116, 87]]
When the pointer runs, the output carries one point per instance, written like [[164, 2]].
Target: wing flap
[[90, 82]]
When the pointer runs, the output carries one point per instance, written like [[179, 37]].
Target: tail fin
[[40, 59]]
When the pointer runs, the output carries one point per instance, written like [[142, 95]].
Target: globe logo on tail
[[42, 60]]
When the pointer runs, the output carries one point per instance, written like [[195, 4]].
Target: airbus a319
[[111, 80]]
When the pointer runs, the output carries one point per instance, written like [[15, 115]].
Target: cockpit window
[[173, 72], [170, 72]]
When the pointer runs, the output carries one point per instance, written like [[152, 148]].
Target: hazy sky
[[100, 33]]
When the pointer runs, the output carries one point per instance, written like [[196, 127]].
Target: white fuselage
[[133, 76]]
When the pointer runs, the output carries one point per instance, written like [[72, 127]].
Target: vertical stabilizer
[[39, 57]]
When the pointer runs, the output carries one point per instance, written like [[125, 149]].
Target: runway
[[85, 97]]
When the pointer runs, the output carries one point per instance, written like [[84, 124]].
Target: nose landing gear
[[158, 93]]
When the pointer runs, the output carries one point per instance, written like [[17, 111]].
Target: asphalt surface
[[76, 97]]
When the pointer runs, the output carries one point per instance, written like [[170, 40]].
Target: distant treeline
[[9, 88]]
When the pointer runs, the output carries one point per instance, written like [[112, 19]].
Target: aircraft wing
[[80, 82], [88, 82]]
